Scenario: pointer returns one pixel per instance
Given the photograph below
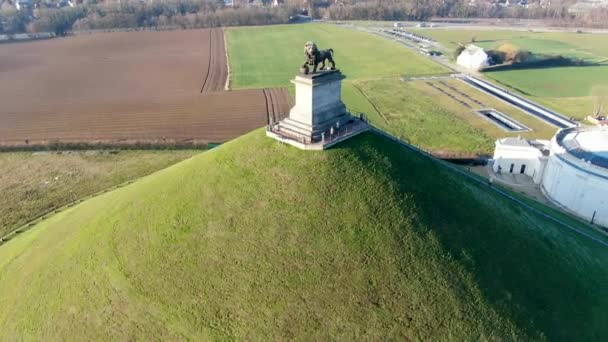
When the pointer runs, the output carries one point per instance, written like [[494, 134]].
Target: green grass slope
[[258, 240]]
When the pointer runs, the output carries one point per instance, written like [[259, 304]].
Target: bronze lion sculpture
[[314, 57]]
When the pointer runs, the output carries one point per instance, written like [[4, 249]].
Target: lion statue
[[314, 57]]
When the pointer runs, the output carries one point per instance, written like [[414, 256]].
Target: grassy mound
[[258, 240]]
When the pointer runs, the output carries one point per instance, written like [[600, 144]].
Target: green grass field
[[554, 82], [31, 184], [565, 89], [259, 240], [413, 113], [271, 55], [429, 119], [589, 46]]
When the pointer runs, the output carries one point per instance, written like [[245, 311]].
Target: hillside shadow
[[519, 266]]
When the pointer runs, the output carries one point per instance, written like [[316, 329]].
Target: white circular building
[[576, 173]]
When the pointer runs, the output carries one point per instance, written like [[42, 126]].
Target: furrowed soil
[[123, 87], [217, 70], [276, 100]]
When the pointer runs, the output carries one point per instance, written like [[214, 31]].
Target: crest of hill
[[258, 240]]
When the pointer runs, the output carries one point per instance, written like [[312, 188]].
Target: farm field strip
[[212, 117], [217, 69], [124, 86]]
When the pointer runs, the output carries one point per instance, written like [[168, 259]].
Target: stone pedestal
[[319, 117]]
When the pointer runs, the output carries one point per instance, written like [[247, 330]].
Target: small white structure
[[517, 155], [572, 169], [319, 118], [473, 57]]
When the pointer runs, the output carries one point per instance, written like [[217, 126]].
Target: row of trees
[[556, 10], [176, 13], [209, 13]]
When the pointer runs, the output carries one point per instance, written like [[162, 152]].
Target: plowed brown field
[[277, 103], [125, 87]]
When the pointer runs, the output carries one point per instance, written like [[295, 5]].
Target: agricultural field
[[124, 87], [422, 113], [33, 183], [392, 245], [568, 90]]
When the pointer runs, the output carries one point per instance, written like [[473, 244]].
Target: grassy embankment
[[258, 240], [565, 89], [31, 184], [468, 131]]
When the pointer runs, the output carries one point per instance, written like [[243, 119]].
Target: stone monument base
[[319, 118]]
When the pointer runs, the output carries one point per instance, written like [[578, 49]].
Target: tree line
[[176, 13], [420, 10], [94, 15]]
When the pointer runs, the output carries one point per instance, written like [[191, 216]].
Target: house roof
[[473, 50], [515, 141]]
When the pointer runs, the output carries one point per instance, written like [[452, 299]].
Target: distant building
[[587, 6], [572, 169], [23, 4], [473, 57], [521, 156]]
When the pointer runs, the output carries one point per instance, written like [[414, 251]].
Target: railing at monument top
[[343, 131], [330, 135]]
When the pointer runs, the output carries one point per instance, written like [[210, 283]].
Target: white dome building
[[572, 169], [576, 174], [473, 57]]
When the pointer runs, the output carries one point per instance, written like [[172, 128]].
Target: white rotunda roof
[[587, 143], [594, 141]]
